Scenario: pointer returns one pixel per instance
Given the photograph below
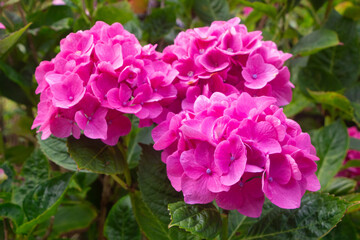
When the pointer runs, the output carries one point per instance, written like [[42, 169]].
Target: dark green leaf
[[343, 230], [157, 192], [57, 151], [6, 186], [119, 12], [159, 23], [43, 200], [331, 144], [297, 104], [34, 171], [354, 201], [120, 223], [317, 3], [52, 15], [235, 221], [201, 219], [70, 218], [95, 156], [11, 40], [13, 212], [340, 186], [18, 154], [315, 42], [211, 10], [318, 214]]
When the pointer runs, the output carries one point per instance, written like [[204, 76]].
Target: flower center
[[201, 51], [124, 103], [71, 98], [190, 73], [270, 179], [254, 76], [208, 171], [241, 184], [232, 157], [230, 50]]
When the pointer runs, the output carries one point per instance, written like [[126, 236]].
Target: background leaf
[[120, 223], [211, 10], [11, 40], [331, 144], [95, 156]]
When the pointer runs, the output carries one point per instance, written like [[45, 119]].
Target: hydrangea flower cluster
[[226, 58], [352, 172], [237, 149], [99, 75]]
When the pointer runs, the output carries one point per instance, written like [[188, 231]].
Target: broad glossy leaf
[[201, 219], [119, 12], [157, 192], [343, 230], [34, 171], [335, 100], [13, 212], [211, 10], [340, 186], [11, 40], [235, 221], [6, 186], [297, 104], [315, 42], [268, 9], [95, 156], [318, 214], [57, 151], [70, 218], [331, 143], [354, 201], [43, 200], [121, 223]]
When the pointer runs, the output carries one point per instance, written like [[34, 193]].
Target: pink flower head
[[2, 26], [226, 58], [100, 75], [237, 149]]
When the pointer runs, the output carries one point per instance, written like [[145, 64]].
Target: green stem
[[225, 221], [237, 228], [328, 9], [126, 166], [119, 181]]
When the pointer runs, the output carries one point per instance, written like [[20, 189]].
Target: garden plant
[[179, 119]]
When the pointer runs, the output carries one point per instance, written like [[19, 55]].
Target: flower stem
[[119, 181], [224, 231]]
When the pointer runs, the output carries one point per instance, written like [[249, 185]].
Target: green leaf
[[43, 200], [354, 201], [119, 12], [318, 214], [13, 212], [159, 23], [157, 193], [268, 9], [354, 144], [57, 151], [351, 163], [317, 4], [340, 186], [335, 100], [297, 104], [35, 170], [6, 186], [201, 219], [11, 40], [331, 143], [70, 218], [235, 221], [95, 156], [120, 223], [343, 230], [211, 10], [315, 42]]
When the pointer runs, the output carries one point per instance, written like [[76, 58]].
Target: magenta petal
[[174, 170], [61, 127], [195, 191], [191, 168], [97, 126]]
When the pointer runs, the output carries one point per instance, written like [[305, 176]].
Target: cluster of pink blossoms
[[237, 149], [99, 75], [352, 172], [226, 58]]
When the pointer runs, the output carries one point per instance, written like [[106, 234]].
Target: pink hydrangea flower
[[2, 26], [352, 172], [226, 58], [236, 150], [99, 76]]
